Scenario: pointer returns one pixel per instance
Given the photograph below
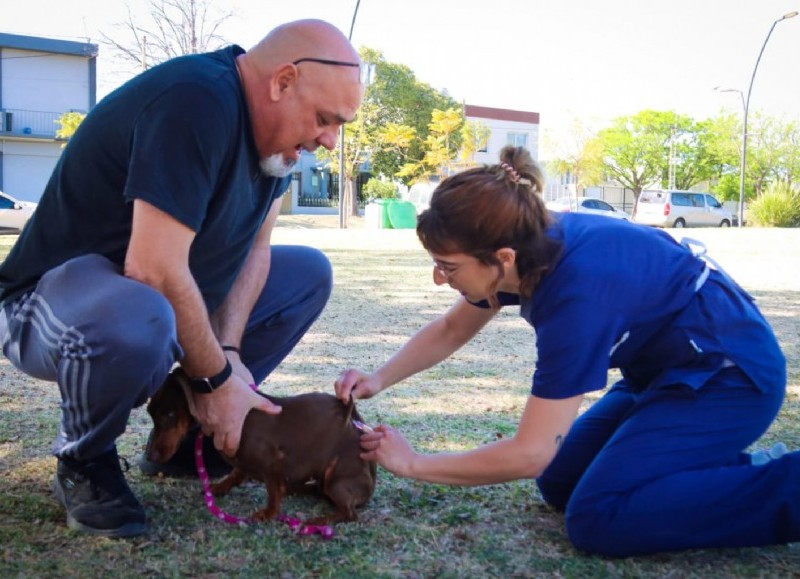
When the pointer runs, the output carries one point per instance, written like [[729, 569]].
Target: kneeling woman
[[657, 463]]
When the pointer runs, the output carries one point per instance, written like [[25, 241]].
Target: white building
[[40, 79], [508, 127]]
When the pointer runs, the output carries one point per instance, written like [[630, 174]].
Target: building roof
[[38, 44], [501, 114]]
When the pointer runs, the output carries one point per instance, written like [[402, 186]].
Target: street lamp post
[[746, 102], [740, 211], [342, 205]]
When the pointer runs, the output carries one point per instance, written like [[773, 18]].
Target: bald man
[[151, 246]]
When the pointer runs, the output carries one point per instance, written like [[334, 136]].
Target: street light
[[342, 205], [739, 212], [746, 110]]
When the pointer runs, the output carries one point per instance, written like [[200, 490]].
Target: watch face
[[200, 386]]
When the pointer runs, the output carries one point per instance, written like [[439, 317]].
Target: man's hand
[[239, 369], [222, 412]]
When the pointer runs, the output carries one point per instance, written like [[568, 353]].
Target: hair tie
[[513, 175]]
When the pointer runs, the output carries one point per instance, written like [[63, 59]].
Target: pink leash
[[326, 531]]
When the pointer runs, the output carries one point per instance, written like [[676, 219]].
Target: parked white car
[[14, 214], [586, 205], [681, 209]]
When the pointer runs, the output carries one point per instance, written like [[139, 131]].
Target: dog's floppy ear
[[183, 379], [351, 405]]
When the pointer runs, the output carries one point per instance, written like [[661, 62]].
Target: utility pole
[[344, 205]]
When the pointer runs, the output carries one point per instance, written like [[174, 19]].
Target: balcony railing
[[21, 123]]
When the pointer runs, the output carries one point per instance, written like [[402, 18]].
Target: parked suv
[[681, 209]]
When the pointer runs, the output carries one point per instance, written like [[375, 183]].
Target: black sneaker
[[97, 497], [182, 463]]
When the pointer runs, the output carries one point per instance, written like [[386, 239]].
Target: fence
[[24, 123], [329, 198], [620, 197]]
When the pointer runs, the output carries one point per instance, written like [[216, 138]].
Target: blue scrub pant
[[662, 470], [109, 341]]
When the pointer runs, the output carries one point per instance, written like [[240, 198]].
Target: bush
[[778, 206], [377, 189]]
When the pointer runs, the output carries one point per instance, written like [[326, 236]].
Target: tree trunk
[[352, 197]]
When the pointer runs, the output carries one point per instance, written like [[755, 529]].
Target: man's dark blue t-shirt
[[178, 137]]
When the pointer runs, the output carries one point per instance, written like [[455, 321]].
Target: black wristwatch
[[208, 385]]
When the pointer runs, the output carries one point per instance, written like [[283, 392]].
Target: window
[[6, 203], [681, 199], [518, 139], [603, 205], [697, 200]]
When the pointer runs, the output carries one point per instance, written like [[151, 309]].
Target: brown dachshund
[[312, 446]]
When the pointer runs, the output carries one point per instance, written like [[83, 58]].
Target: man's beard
[[276, 166]]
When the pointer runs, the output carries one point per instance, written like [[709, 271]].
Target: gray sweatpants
[[109, 341]]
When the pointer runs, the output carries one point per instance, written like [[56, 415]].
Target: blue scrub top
[[628, 296]]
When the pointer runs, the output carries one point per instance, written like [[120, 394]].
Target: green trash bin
[[383, 214], [402, 214]]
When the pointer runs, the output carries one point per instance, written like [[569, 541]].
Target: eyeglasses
[[447, 272], [364, 70]]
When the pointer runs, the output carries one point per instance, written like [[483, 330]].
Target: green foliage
[[580, 156], [634, 149], [440, 147], [400, 100], [727, 188], [645, 148], [378, 189], [635, 152], [69, 123], [773, 152], [474, 137], [778, 206]]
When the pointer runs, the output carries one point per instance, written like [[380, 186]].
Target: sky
[[584, 61]]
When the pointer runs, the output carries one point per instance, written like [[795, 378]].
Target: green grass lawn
[[383, 293]]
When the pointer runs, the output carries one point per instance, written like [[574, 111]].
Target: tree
[[440, 147], [390, 124], [170, 28], [693, 154], [773, 153], [633, 148], [724, 135], [577, 156], [474, 137], [660, 149], [402, 101], [68, 123]]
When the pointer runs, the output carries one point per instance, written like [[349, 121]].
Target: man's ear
[[283, 79]]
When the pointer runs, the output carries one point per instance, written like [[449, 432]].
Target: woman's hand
[[356, 383], [386, 446]]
